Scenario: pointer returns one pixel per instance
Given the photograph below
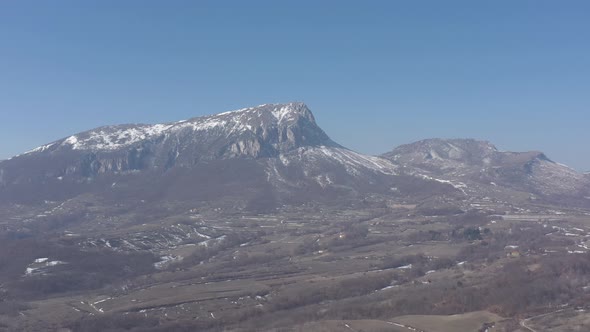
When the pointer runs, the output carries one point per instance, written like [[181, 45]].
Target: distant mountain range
[[268, 155]]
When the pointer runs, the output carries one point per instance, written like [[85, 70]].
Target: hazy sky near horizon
[[376, 74]]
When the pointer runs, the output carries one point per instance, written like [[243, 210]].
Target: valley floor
[[380, 266]]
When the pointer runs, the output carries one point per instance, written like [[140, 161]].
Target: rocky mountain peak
[[278, 126], [282, 113]]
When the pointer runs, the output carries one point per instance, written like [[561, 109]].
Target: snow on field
[[41, 266], [211, 241], [165, 260], [201, 234], [457, 185], [54, 263], [405, 267], [386, 288]]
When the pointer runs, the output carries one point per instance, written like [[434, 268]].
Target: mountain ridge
[[284, 150], [480, 162], [250, 119], [276, 148]]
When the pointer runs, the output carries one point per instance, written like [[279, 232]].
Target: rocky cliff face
[[263, 131]]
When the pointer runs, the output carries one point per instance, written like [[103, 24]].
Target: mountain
[[266, 156], [273, 150], [263, 131], [256, 220], [479, 164]]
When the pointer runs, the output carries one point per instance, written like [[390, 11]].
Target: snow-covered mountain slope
[[276, 146], [263, 131], [255, 131], [273, 150], [472, 161], [354, 163]]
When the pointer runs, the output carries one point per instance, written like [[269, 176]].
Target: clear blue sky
[[376, 74]]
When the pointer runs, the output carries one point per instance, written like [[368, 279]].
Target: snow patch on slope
[[353, 162], [555, 178], [283, 113], [456, 185], [41, 148], [108, 138]]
